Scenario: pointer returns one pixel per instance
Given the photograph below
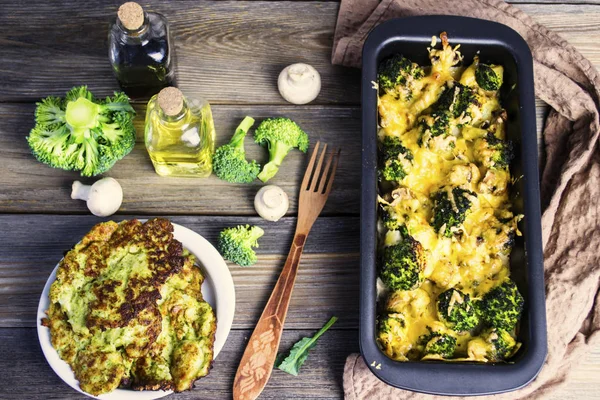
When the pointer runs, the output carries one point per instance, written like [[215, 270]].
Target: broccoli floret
[[391, 146], [229, 161], [236, 244], [492, 152], [396, 159], [501, 233], [438, 123], [456, 310], [502, 306], [487, 78], [438, 343], [492, 344], [389, 220], [393, 170], [392, 324], [280, 135], [82, 133], [393, 222], [403, 264], [450, 214], [454, 102], [388, 216], [397, 71], [501, 344], [456, 98], [391, 332]]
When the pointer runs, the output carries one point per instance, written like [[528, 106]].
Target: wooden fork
[[258, 359]]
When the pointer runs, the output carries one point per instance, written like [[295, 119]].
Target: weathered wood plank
[[584, 382], [576, 23], [27, 375], [327, 277], [29, 186], [226, 51], [229, 52]]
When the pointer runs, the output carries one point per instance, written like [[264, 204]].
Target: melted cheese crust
[[474, 261]]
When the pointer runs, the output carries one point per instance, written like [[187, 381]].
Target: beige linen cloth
[[570, 183]]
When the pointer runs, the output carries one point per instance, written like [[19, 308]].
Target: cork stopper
[[170, 101], [131, 15]]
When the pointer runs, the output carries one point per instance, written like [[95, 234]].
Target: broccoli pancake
[[446, 226], [126, 310]]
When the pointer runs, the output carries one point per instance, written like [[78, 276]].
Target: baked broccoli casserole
[[126, 310], [446, 226]]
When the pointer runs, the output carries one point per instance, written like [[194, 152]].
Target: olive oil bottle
[[179, 134], [140, 51]]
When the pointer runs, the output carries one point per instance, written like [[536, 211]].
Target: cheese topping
[[454, 134]]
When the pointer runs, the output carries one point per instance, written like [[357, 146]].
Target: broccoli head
[[437, 123], [229, 161], [393, 170], [501, 307], [396, 71], [501, 233], [391, 146], [280, 135], [487, 78], [81, 133], [450, 213], [396, 159], [441, 344], [500, 344], [457, 99], [457, 311], [392, 324], [492, 152], [403, 264], [391, 332], [391, 221], [236, 244], [395, 220]]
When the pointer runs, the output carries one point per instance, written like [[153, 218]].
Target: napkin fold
[[570, 183]]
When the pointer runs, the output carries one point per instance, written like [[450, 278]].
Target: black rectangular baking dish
[[496, 44]]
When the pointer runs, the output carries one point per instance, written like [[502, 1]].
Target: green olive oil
[[179, 134]]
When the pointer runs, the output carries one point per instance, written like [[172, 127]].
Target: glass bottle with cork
[[179, 134], [140, 51]]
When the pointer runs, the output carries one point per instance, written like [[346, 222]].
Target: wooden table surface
[[230, 53]]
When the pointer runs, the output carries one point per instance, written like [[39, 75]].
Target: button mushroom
[[103, 197], [271, 202], [299, 83]]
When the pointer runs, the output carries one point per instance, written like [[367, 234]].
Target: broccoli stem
[[255, 234], [237, 140], [277, 152], [82, 113]]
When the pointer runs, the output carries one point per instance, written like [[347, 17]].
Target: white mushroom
[[299, 83], [271, 202], [103, 197]]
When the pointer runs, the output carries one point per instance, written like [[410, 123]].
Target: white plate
[[217, 290]]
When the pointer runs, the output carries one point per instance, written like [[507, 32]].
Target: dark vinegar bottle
[[141, 51]]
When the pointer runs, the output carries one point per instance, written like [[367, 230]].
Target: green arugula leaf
[[299, 352]]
